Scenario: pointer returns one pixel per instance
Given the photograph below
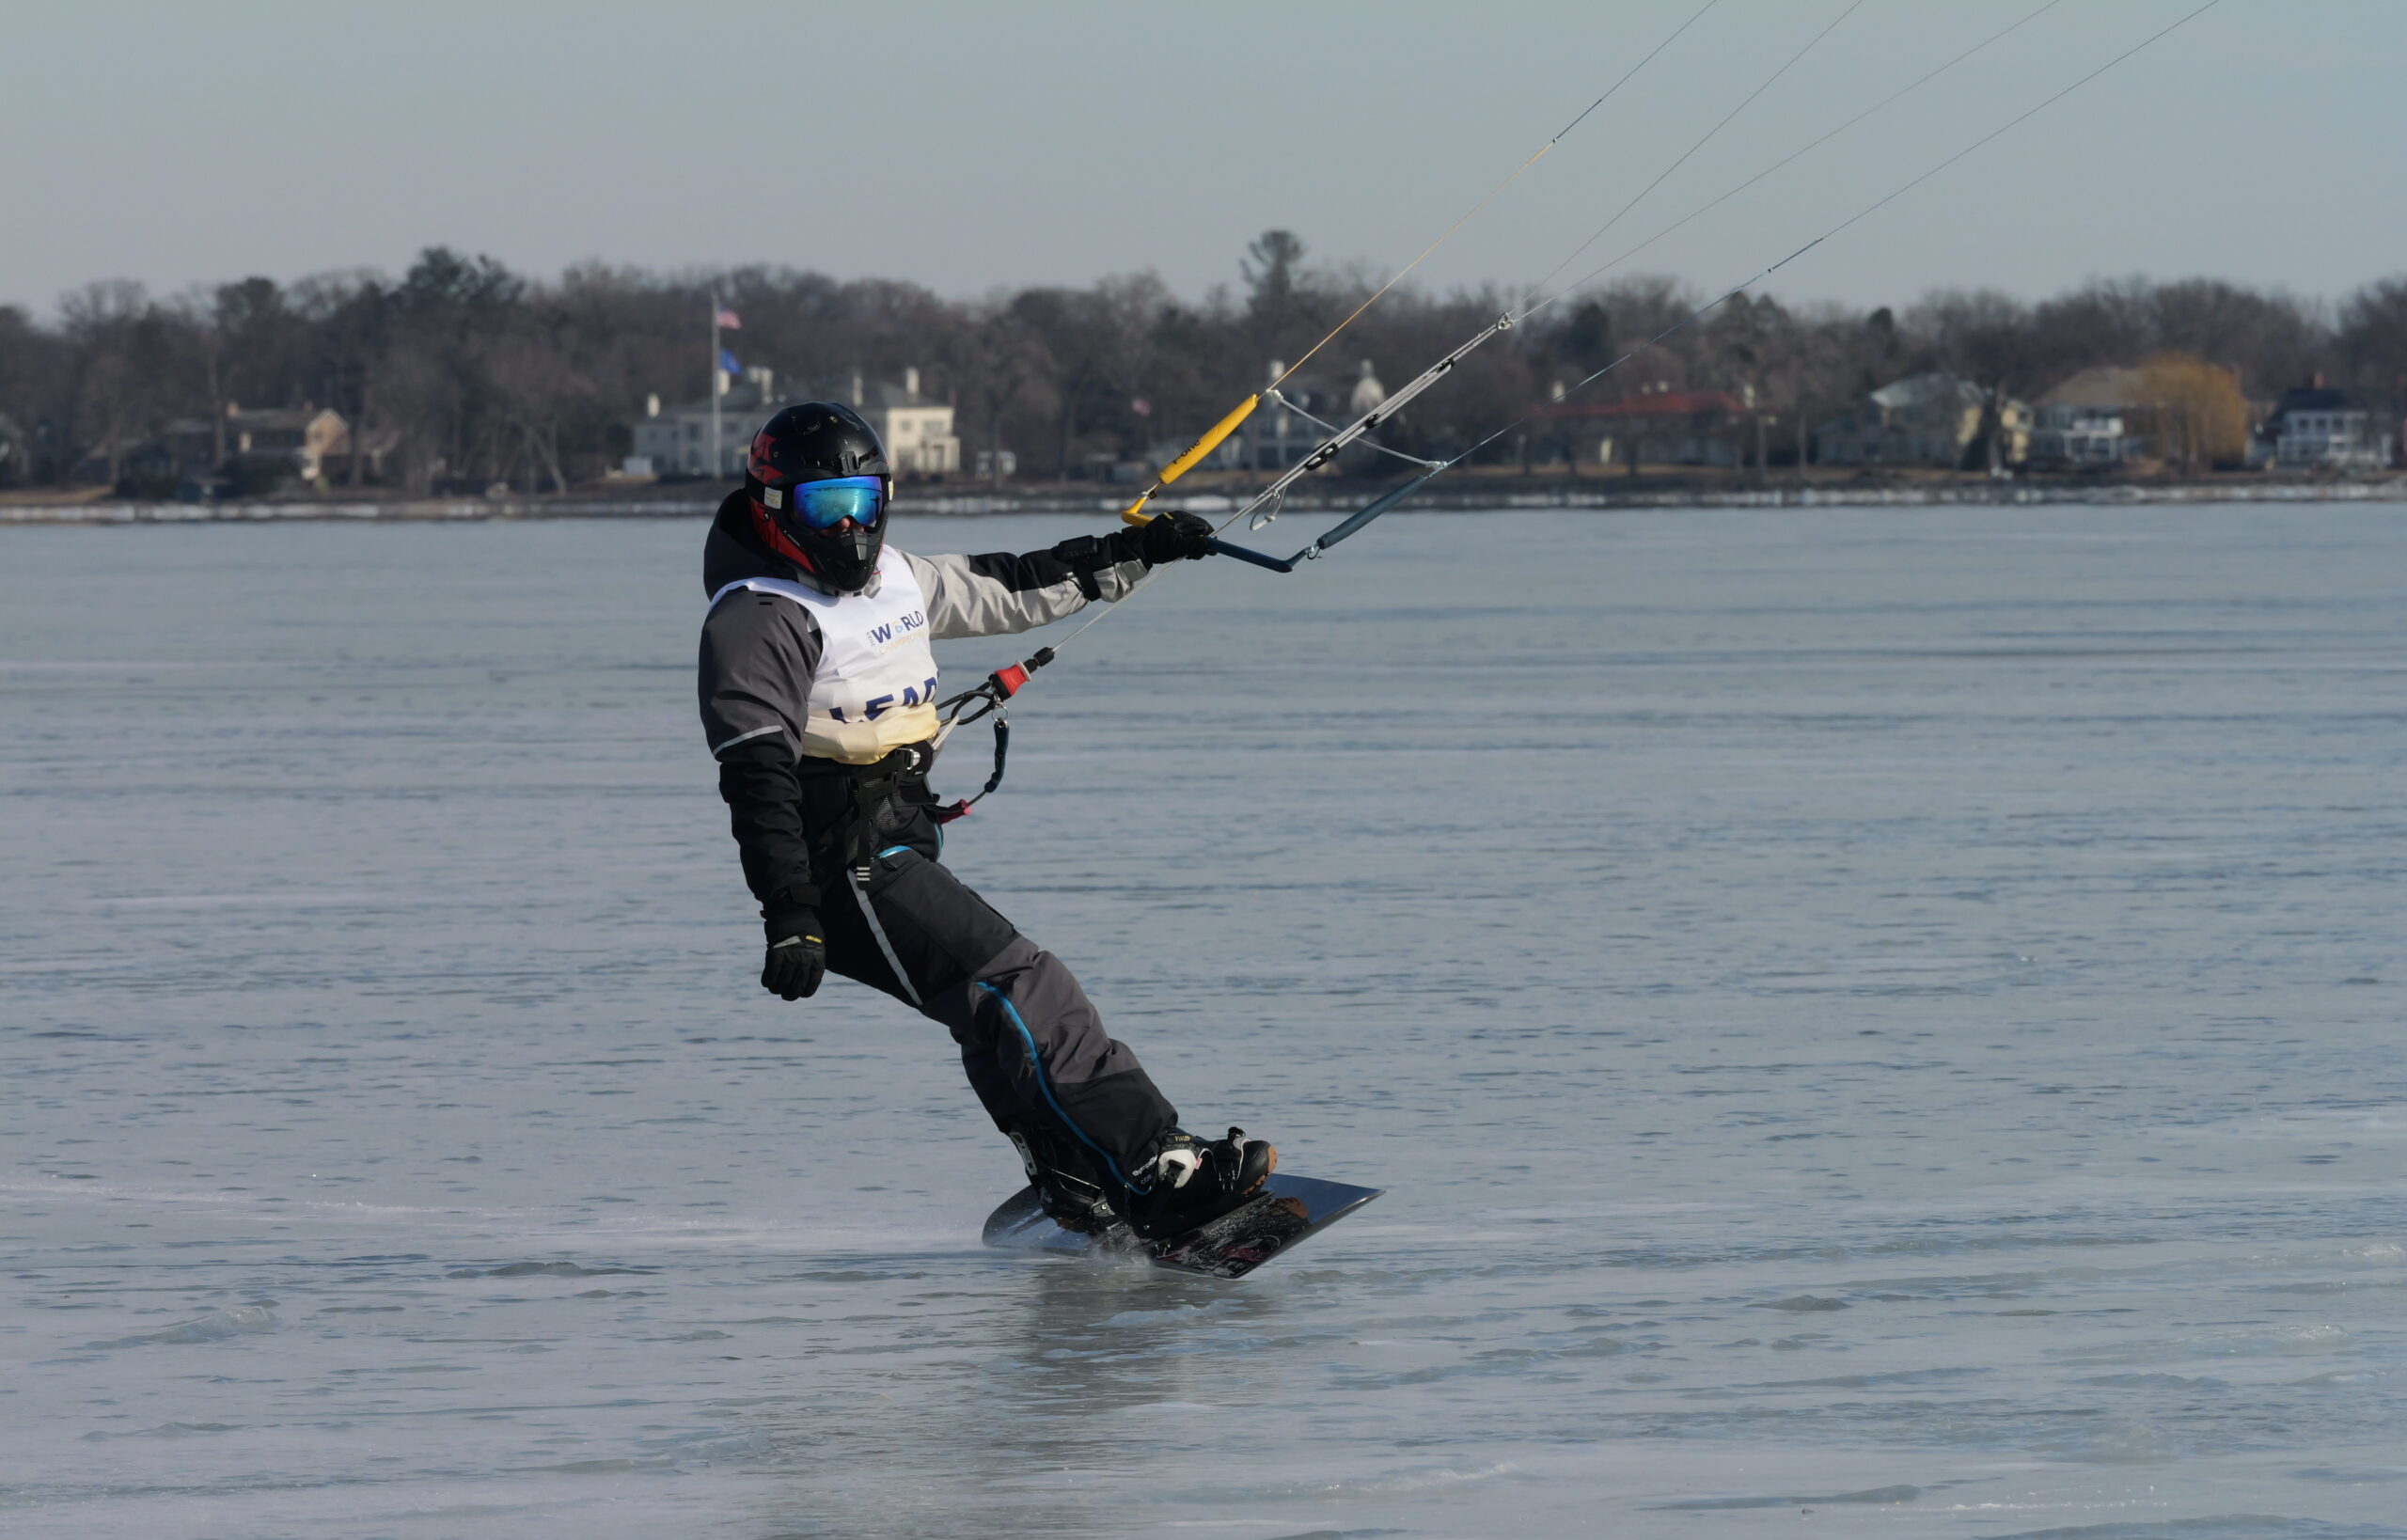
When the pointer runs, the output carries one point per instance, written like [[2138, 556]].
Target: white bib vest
[[875, 689]]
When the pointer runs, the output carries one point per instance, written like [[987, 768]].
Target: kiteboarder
[[818, 693]]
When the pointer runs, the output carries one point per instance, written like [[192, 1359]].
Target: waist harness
[[859, 804]]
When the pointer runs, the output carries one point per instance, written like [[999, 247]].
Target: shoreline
[[1465, 499]]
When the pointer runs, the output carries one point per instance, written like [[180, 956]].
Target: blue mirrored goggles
[[824, 505]]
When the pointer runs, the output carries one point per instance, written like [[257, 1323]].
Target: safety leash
[[986, 700]]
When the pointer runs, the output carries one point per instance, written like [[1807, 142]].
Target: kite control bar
[[1352, 525]]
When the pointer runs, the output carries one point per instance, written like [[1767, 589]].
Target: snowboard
[[1288, 1209]]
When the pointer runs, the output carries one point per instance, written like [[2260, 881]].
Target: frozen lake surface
[[1891, 1013]]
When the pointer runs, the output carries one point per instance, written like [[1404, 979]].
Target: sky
[[972, 147]]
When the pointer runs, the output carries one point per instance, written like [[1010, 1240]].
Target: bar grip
[[1269, 563], [1210, 441]]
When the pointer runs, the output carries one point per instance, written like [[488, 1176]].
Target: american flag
[[726, 320]]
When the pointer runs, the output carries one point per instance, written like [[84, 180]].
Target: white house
[[2088, 420], [917, 432], [677, 441], [2330, 430], [2073, 434]]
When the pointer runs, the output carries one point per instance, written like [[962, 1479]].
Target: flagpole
[[718, 452]]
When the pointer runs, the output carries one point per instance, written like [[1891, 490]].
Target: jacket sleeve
[[757, 656], [1000, 593]]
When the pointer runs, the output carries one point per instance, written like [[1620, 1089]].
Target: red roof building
[[1652, 428]]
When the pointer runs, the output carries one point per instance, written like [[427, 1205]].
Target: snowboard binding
[[1195, 1183], [1072, 1195]]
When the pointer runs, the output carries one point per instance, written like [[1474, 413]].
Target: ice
[[1890, 1012], [218, 1324]]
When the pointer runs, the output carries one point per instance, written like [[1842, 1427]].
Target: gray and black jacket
[[759, 654]]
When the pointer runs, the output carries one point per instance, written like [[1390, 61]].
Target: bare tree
[[1000, 360], [1751, 339], [539, 385], [2372, 336], [1987, 337], [123, 343], [2275, 339], [479, 374]]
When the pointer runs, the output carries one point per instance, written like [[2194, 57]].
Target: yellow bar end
[[1210, 441]]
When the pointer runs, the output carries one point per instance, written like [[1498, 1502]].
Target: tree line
[[475, 374]]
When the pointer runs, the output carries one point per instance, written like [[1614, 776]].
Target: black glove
[[797, 957], [1174, 537]]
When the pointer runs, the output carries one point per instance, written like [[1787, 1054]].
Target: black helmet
[[819, 486]]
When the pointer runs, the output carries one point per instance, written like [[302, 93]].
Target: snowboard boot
[[1061, 1176], [1194, 1183]]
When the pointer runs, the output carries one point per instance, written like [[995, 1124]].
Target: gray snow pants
[[1031, 1042]]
